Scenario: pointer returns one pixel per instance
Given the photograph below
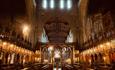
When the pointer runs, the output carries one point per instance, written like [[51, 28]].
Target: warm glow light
[[19, 50], [4, 43], [89, 60], [104, 58], [0, 40], [68, 61], [101, 46], [6, 46], [50, 48], [108, 44], [45, 61], [94, 50], [26, 30], [91, 51], [11, 45], [77, 52], [57, 56]]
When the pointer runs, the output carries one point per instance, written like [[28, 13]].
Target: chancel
[[57, 35]]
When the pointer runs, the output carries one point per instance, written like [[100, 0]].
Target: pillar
[[40, 55], [71, 55], [12, 58]]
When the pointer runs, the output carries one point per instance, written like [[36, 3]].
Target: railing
[[18, 41]]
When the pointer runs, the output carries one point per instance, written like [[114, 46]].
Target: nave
[[57, 35]]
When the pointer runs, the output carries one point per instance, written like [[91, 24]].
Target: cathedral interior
[[57, 35]]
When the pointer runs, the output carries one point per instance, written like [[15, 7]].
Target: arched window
[[70, 37], [44, 38], [62, 4], [69, 4], [52, 4], [45, 4]]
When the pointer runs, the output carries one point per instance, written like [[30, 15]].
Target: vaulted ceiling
[[60, 15], [9, 7]]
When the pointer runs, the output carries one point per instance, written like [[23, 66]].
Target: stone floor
[[38, 66]]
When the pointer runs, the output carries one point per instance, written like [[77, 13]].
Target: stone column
[[61, 58], [40, 54], [6, 58], [71, 55], [22, 57], [9, 58], [4, 54], [12, 58]]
